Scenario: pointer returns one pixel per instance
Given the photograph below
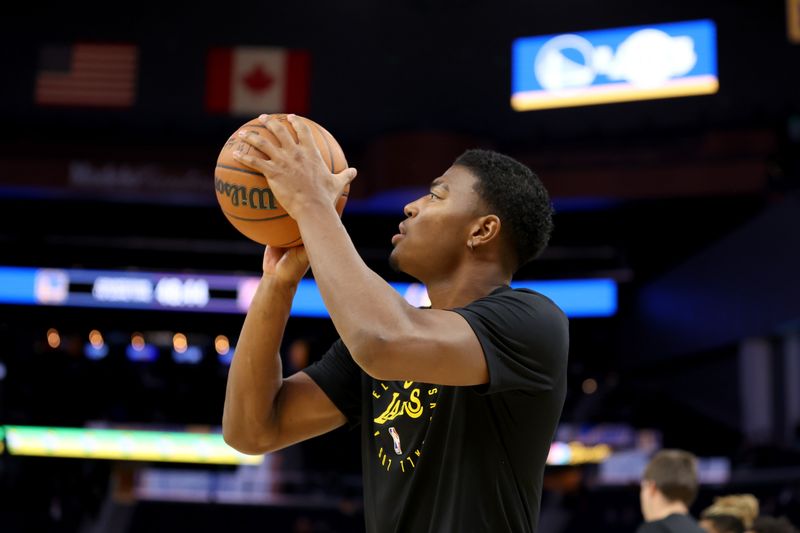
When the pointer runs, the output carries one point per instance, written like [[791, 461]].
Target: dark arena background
[[668, 135]]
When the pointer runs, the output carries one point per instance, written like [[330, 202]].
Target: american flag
[[93, 75]]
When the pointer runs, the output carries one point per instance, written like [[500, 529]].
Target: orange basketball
[[244, 194]]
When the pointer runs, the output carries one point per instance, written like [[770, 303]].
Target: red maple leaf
[[258, 80]]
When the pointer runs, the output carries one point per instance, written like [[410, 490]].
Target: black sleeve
[[525, 339], [339, 377]]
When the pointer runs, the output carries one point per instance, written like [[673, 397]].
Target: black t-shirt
[[444, 459], [674, 523]]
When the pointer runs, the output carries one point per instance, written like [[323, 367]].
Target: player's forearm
[[256, 375], [366, 311]]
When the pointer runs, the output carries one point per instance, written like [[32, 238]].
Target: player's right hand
[[286, 265]]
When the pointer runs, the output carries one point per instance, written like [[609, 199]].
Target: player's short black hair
[[516, 195]]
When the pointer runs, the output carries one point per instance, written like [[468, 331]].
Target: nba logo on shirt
[[396, 438]]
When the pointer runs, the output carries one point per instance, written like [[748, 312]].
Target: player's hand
[[286, 265], [296, 172]]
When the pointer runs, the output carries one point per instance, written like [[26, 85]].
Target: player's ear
[[485, 230]]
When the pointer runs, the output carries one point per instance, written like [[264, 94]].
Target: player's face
[[433, 237]]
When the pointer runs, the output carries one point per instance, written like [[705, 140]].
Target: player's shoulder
[[506, 296]]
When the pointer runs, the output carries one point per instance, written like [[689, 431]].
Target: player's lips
[[400, 235]]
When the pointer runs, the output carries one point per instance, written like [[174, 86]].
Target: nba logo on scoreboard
[[51, 286], [618, 65]]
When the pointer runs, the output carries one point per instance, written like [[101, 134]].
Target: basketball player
[[457, 404]]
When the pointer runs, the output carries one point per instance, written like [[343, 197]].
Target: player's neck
[[667, 508], [464, 286]]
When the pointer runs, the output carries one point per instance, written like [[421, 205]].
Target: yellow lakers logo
[[397, 407], [402, 451]]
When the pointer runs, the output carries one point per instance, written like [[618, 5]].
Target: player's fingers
[[304, 134], [257, 141], [279, 130], [265, 166], [346, 176], [300, 255]]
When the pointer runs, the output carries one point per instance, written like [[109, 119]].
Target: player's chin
[[395, 260]]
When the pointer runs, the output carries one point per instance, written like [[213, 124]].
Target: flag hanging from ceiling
[[87, 75], [251, 80]]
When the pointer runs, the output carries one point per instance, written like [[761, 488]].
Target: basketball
[[244, 194]]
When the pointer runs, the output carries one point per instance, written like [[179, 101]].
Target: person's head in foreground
[[730, 514], [487, 211], [669, 484]]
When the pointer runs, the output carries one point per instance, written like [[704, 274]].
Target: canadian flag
[[251, 80]]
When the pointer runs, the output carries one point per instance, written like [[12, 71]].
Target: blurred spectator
[[299, 354], [730, 514], [669, 486], [770, 524], [722, 523]]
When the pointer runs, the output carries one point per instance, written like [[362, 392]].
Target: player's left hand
[[295, 170]]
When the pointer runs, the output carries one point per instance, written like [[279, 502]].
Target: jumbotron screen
[[614, 65]]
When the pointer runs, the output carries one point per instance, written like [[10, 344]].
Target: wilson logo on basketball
[[254, 197], [243, 192]]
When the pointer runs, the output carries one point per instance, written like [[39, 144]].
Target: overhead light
[[96, 339], [53, 338], [96, 348], [222, 344], [137, 342], [589, 386], [138, 351], [179, 342]]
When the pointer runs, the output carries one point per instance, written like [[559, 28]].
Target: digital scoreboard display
[[215, 293], [614, 65]]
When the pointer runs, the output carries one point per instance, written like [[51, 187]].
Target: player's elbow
[[245, 444], [375, 354], [246, 441]]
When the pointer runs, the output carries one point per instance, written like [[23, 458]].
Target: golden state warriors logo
[[403, 414]]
